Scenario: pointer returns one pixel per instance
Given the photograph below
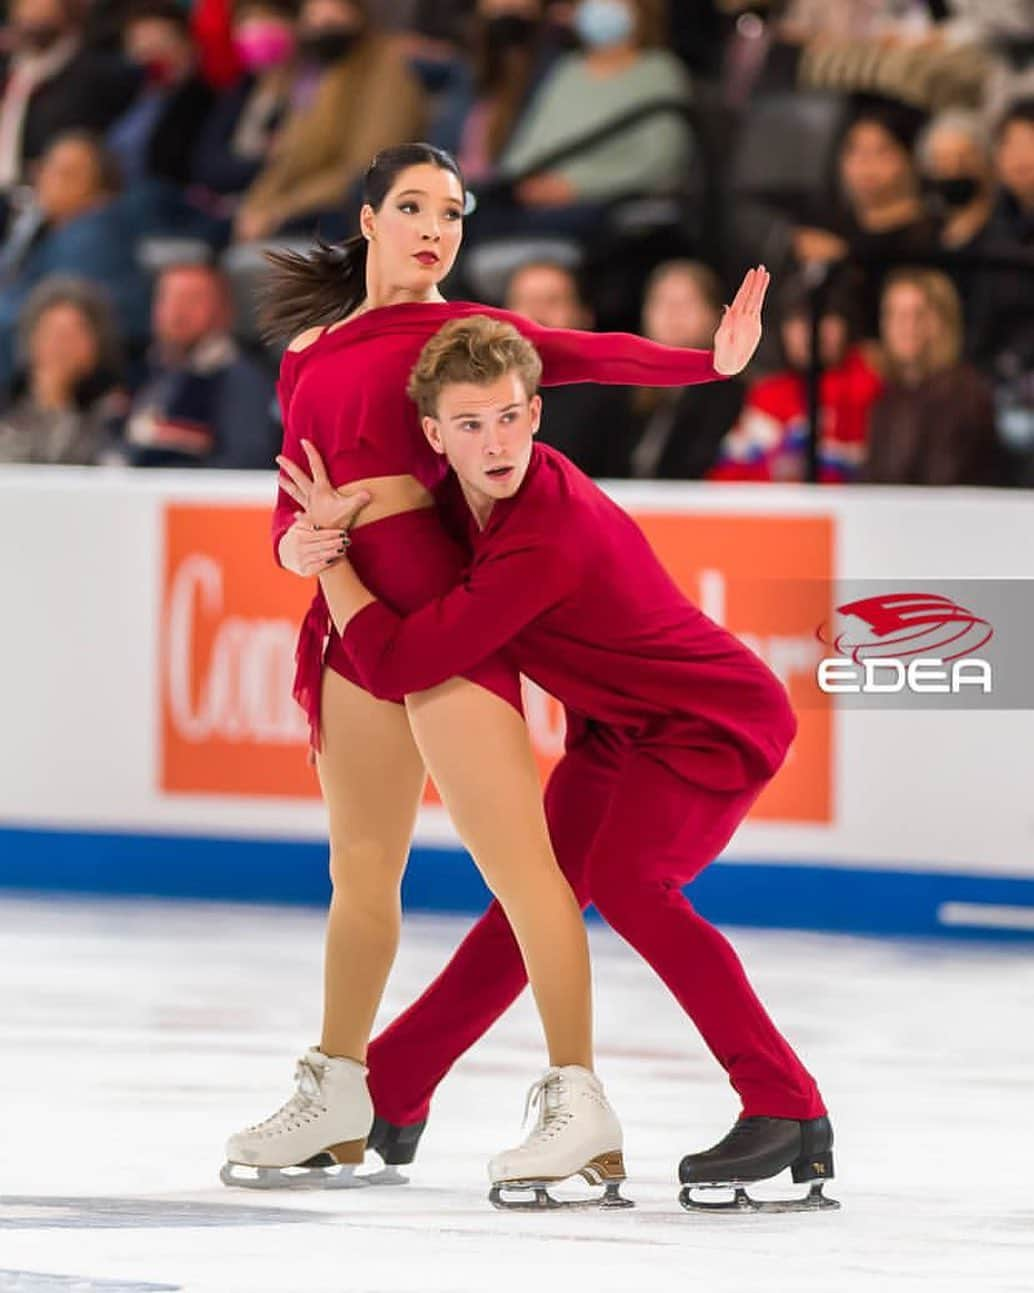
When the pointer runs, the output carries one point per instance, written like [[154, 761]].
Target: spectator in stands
[[356, 96], [588, 423], [548, 293], [53, 84], [77, 224], [1012, 222], [623, 67], [954, 156], [156, 136], [512, 53], [1001, 317], [769, 441], [239, 133], [204, 402], [67, 399], [934, 422], [675, 433], [881, 220]]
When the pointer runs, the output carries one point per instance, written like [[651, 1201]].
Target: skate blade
[[342, 1177], [741, 1201], [541, 1200]]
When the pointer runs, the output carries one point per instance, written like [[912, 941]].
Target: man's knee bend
[[626, 900]]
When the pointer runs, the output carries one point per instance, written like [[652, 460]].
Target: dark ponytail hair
[[329, 283]]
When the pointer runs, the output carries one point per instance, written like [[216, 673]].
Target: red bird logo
[[908, 624]]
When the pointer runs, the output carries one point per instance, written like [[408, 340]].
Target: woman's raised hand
[[320, 535], [325, 507], [739, 332]]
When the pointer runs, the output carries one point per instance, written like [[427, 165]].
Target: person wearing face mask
[[240, 130], [156, 136], [621, 66], [51, 84], [353, 95], [957, 174], [954, 154]]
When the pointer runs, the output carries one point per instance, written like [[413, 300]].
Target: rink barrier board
[[772, 894], [129, 717]]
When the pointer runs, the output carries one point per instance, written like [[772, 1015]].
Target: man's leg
[[486, 973], [659, 832]]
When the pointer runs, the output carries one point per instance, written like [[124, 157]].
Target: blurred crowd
[[629, 159]]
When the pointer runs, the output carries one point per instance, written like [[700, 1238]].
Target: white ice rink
[[135, 1037]]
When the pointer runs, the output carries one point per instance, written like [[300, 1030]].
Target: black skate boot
[[396, 1145], [756, 1149]]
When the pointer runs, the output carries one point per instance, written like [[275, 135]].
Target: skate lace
[[306, 1103], [550, 1094]]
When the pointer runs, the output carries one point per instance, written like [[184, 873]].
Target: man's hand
[[739, 332], [325, 507]]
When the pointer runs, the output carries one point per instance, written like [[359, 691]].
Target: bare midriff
[[389, 495]]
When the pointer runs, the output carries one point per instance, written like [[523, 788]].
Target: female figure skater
[[674, 728], [342, 387]]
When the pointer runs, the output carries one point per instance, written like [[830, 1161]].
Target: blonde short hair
[[476, 350]]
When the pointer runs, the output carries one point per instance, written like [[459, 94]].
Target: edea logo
[[922, 643]]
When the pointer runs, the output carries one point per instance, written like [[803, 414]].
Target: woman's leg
[[486, 973], [372, 777], [476, 747]]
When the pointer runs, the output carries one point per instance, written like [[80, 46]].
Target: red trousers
[[628, 833]]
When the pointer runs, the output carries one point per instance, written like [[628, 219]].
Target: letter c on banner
[[201, 578]]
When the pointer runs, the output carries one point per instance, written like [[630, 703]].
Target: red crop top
[[346, 391]]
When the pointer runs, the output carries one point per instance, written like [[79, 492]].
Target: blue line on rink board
[[769, 894]]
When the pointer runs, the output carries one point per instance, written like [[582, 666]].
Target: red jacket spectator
[[769, 440]]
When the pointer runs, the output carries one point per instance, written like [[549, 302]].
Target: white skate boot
[[577, 1134], [316, 1139]]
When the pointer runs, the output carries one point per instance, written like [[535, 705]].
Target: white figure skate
[[316, 1140], [577, 1134]]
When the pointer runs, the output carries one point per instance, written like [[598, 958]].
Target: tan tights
[[372, 771]]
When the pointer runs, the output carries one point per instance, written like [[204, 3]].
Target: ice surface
[[134, 1037]]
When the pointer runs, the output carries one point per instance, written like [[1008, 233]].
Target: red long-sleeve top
[[346, 391], [567, 581]]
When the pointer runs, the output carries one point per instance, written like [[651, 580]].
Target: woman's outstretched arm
[[624, 359]]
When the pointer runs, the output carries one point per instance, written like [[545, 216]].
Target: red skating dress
[[346, 393]]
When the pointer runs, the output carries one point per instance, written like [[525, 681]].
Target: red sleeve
[[612, 358], [286, 509], [503, 592]]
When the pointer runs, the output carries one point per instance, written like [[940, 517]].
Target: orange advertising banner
[[229, 622]]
